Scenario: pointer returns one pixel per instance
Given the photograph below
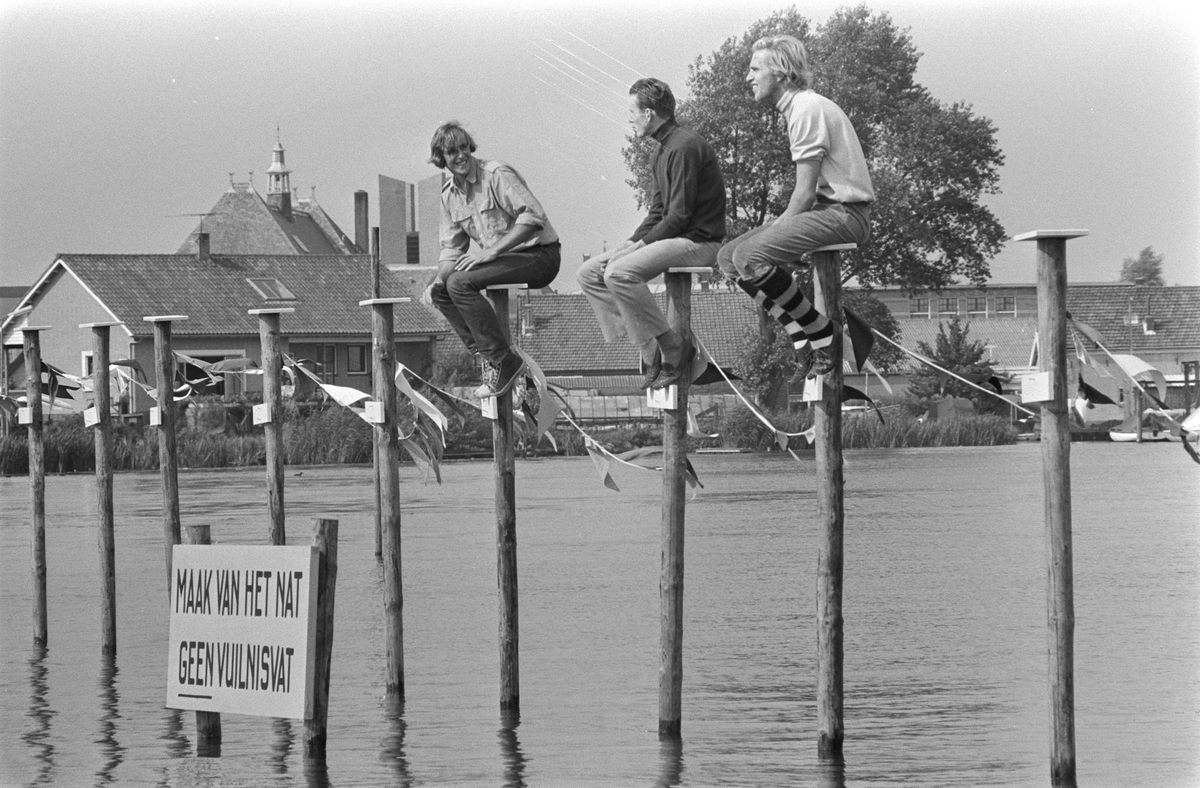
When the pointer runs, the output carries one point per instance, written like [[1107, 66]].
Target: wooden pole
[[37, 478], [674, 500], [387, 459], [208, 723], [375, 293], [1056, 472], [272, 364], [168, 452], [506, 528], [827, 428], [102, 438], [325, 540]]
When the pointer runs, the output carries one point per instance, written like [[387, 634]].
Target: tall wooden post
[[102, 438], [504, 453], [387, 460], [1056, 473], [37, 477], [375, 465], [325, 540], [674, 499], [272, 364], [168, 451], [208, 723], [827, 427]]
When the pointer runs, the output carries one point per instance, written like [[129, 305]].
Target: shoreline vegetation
[[328, 434]]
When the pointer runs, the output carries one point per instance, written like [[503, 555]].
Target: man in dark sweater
[[684, 227]]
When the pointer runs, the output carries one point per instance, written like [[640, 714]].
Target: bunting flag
[[861, 340], [849, 393]]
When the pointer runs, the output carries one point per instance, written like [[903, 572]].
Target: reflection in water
[[510, 749], [282, 746], [177, 743], [831, 771], [670, 751], [40, 715], [316, 773], [392, 749], [111, 752]]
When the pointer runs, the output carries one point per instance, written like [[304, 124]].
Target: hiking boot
[[487, 376], [820, 362], [506, 375], [673, 373], [652, 370]]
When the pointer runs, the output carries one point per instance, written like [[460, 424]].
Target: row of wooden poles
[[1051, 263]]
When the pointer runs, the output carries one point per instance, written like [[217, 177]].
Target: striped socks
[[779, 295]]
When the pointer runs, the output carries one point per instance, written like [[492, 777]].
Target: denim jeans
[[752, 255], [460, 298], [617, 290]]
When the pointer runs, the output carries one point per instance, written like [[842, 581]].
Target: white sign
[[814, 389], [261, 413], [1035, 387], [662, 399], [242, 631]]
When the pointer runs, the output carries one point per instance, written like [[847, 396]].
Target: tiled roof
[[243, 223], [215, 293], [566, 338], [1107, 307], [1008, 340]]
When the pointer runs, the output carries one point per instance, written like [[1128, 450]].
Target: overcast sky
[[118, 118]]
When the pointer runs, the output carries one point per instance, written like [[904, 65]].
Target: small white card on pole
[[373, 411], [814, 389], [662, 399], [24, 415], [91, 417], [1036, 387], [262, 413], [487, 406], [155, 416]]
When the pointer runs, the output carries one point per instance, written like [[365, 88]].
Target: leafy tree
[[1145, 269], [930, 162], [955, 352]]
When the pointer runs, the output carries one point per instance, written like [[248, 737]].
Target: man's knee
[[591, 274], [460, 283]]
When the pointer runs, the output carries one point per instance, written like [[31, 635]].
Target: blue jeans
[[752, 255], [617, 290], [460, 298]]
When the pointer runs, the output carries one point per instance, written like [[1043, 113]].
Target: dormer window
[[271, 289]]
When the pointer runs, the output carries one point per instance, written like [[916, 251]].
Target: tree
[[1145, 269], [930, 162], [955, 352]]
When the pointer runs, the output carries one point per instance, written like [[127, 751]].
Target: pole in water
[[272, 364], [827, 428], [168, 452], [102, 439], [506, 524], [325, 540], [37, 477], [1056, 472], [208, 723], [387, 460]]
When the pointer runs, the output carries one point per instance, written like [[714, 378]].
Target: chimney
[[361, 236], [202, 247]]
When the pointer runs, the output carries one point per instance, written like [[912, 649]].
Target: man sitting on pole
[[830, 204], [684, 228], [486, 202]]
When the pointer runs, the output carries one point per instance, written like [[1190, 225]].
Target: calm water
[[945, 635]]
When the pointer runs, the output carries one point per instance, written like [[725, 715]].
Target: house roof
[[566, 337], [1008, 340], [1107, 308], [216, 293], [242, 222]]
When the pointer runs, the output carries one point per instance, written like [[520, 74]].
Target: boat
[[1148, 436]]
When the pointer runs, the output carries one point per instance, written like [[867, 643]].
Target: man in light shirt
[[831, 201], [489, 203]]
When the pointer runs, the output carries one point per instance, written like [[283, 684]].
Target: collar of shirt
[[660, 134], [785, 101]]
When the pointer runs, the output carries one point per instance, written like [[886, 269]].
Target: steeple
[[279, 186]]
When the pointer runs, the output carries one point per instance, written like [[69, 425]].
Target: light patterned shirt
[[819, 129], [484, 206]]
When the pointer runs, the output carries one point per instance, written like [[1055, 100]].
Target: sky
[[121, 121]]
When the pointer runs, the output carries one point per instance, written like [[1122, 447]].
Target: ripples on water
[[945, 636]]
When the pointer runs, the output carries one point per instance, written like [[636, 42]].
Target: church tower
[[279, 182]]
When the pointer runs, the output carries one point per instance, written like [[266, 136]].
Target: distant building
[[244, 222]]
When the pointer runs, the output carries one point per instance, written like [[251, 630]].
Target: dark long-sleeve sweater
[[688, 195]]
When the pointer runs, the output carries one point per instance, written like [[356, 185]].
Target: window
[[977, 305], [271, 289], [947, 306], [356, 359], [327, 354], [918, 307], [1006, 304]]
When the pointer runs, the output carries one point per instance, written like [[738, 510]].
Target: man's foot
[[506, 375], [673, 373], [652, 370], [820, 362]]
